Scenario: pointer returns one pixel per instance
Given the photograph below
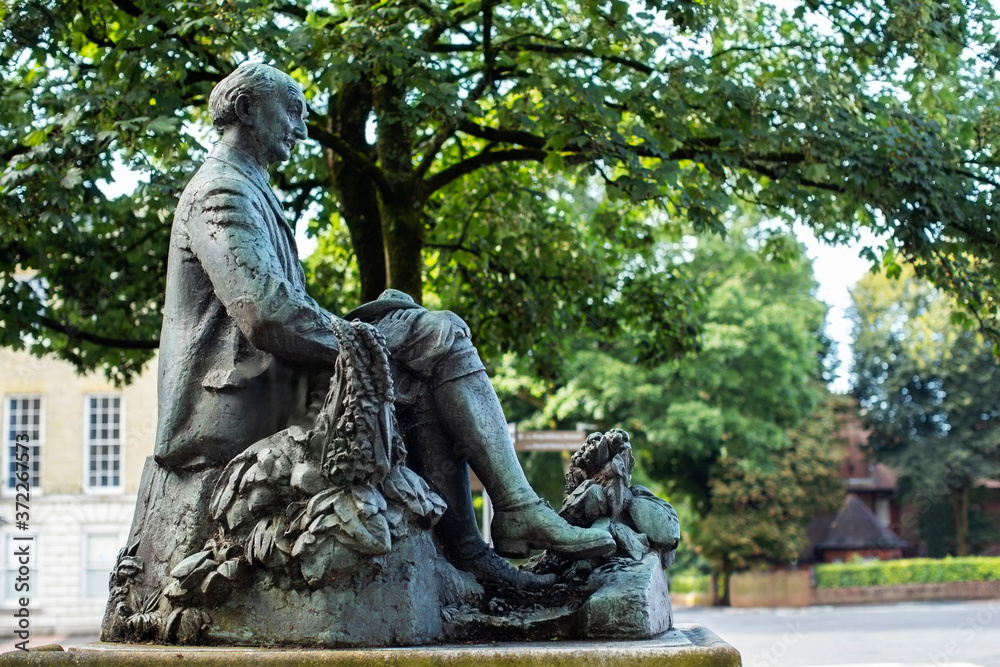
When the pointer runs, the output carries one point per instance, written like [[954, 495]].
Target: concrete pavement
[[958, 634]]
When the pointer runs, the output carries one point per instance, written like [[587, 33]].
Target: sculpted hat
[[389, 300]]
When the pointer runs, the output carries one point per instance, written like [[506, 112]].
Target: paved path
[[958, 634]]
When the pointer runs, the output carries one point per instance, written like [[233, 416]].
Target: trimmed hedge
[[690, 583], [906, 571]]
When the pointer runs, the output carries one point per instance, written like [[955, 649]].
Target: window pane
[[96, 584], [102, 549], [104, 449], [24, 417]]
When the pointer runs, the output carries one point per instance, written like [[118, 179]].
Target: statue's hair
[[252, 79]]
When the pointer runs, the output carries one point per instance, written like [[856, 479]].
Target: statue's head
[[261, 110]]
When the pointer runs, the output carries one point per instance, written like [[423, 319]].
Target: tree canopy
[[927, 388], [450, 135]]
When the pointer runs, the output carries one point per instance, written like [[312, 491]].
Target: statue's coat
[[238, 326]]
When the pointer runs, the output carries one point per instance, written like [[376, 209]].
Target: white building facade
[[85, 442]]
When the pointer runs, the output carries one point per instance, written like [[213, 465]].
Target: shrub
[[909, 571]]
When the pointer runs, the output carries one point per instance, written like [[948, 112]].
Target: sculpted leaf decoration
[[655, 517], [355, 518], [312, 500], [409, 489], [229, 484], [267, 543], [587, 503], [598, 490]]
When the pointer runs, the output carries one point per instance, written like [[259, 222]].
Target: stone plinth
[[687, 645], [632, 602]]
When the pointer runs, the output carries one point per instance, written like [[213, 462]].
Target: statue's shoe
[[488, 566], [516, 531]]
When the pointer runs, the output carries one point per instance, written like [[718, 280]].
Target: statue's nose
[[299, 131]]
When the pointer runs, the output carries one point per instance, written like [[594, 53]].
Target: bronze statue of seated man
[[243, 345]]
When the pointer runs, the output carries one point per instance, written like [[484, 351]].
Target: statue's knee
[[449, 324]]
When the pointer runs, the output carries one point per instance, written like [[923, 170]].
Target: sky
[[837, 269]]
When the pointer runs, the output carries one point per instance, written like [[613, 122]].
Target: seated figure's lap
[[427, 348]]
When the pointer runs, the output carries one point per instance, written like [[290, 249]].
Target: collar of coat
[[250, 168]]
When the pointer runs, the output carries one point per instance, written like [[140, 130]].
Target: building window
[[882, 511], [11, 567], [24, 417], [100, 554], [103, 466]]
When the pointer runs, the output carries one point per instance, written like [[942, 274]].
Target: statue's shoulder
[[217, 177], [220, 193]]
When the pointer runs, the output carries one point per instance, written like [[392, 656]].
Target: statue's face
[[278, 123]]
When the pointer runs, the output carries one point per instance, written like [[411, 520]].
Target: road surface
[[958, 634]]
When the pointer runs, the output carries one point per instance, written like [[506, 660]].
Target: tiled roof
[[857, 527]]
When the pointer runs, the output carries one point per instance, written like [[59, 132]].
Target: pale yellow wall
[[63, 392]]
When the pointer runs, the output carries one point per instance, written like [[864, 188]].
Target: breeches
[[426, 349]]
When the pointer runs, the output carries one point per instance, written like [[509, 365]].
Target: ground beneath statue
[[911, 634]]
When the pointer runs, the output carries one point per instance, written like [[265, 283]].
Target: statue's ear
[[244, 108]]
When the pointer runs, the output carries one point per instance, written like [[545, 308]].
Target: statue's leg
[[435, 346], [473, 418], [431, 455]]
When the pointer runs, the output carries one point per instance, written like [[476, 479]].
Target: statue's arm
[[229, 237]]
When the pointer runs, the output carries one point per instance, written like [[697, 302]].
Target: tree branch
[[14, 150], [128, 7], [120, 343], [442, 135], [488, 54], [453, 48], [755, 49], [456, 171], [342, 148], [578, 51], [292, 10], [501, 135]]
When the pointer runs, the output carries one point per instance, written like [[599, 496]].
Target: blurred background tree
[[928, 391]]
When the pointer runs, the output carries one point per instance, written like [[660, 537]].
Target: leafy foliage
[[926, 386], [760, 512], [450, 134]]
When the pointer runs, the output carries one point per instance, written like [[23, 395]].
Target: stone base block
[[686, 645], [630, 602], [394, 604]]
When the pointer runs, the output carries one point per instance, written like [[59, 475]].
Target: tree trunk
[[356, 191], [960, 507], [403, 230], [402, 207], [723, 599]]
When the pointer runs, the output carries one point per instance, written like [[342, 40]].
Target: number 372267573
[[22, 474]]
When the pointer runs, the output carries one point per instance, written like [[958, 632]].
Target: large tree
[[438, 123], [928, 390]]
